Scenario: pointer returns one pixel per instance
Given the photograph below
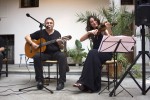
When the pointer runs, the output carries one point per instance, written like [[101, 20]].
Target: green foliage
[[120, 18], [77, 53], [83, 17], [110, 14], [122, 60], [124, 21], [136, 71]]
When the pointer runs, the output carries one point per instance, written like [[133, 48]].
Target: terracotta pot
[[111, 70]]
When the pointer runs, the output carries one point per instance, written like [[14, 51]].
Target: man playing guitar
[[52, 51]]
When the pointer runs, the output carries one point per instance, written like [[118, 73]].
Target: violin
[[101, 27]]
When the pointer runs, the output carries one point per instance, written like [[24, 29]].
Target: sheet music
[[109, 43]]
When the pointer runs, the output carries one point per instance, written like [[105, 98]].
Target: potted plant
[[78, 53], [122, 63]]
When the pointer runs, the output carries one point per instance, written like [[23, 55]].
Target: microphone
[[28, 15]]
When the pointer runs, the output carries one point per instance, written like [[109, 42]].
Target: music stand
[[141, 53], [117, 44]]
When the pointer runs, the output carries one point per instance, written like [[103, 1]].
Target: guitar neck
[[47, 43], [53, 41]]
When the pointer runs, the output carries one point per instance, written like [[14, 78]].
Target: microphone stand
[[39, 86]]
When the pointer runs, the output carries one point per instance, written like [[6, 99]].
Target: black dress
[[91, 73]]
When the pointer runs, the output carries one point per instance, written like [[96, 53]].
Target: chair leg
[[108, 76], [49, 72], [6, 69], [20, 60], [57, 73], [47, 79]]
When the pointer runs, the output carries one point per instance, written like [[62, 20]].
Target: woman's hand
[[108, 25], [94, 32], [108, 30]]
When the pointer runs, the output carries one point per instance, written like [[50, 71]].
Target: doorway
[[9, 43]]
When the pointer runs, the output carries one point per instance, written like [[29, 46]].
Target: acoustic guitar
[[30, 51]]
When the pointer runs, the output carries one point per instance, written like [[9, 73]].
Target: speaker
[[142, 15]]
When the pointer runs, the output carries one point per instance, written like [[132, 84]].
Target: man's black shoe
[[40, 85], [60, 86]]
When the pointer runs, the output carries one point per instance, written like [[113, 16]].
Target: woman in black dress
[[90, 79]]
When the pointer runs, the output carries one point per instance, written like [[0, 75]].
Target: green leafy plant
[[122, 60], [82, 17], [122, 63], [77, 53], [136, 71], [110, 13], [121, 18]]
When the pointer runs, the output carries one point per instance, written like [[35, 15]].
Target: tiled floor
[[19, 78]]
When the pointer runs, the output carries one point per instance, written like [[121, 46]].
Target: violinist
[[90, 79]]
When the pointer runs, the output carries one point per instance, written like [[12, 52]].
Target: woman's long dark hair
[[89, 27]]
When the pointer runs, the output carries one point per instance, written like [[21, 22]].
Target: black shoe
[[40, 85], [60, 86]]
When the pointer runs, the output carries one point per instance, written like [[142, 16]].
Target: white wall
[[14, 20]]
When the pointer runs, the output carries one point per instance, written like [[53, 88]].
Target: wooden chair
[[108, 63], [49, 63], [5, 62]]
